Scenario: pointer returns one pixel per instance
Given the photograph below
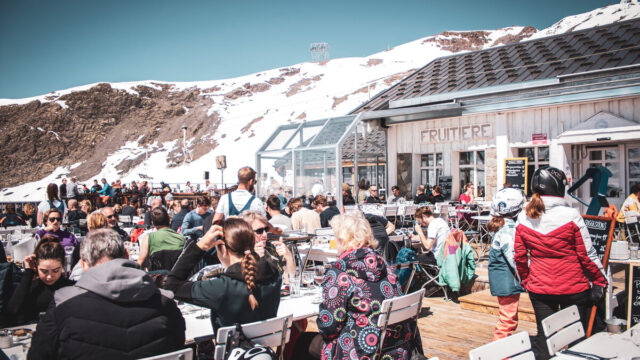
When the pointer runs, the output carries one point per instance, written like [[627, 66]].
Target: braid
[[249, 268]]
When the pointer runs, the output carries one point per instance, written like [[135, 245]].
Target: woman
[[85, 206], [96, 221], [352, 290], [503, 279], [436, 195], [43, 275], [53, 202], [363, 191], [554, 253], [276, 250], [249, 289], [30, 215], [467, 196], [53, 220]]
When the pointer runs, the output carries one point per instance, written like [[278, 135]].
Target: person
[[74, 213], [112, 221], [117, 208], [115, 310], [347, 321], [62, 189], [303, 218], [363, 193], [277, 219], [347, 197], [241, 199], [192, 223], [10, 218], [630, 204], [155, 203], [181, 210], [321, 205], [381, 229], [72, 189], [43, 275], [164, 239], [554, 255], [130, 209], [373, 197], [53, 201], [276, 250], [95, 187], [86, 207], [504, 281], [436, 195], [53, 220], [105, 192], [395, 195], [96, 221], [30, 216], [249, 289], [434, 239], [144, 188], [421, 196], [467, 196]]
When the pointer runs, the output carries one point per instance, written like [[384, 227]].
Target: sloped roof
[[604, 47]]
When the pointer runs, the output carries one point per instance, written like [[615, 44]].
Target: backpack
[[239, 347], [59, 207], [405, 255]]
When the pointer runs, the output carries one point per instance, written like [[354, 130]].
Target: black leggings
[[545, 305]]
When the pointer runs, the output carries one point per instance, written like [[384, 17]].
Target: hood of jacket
[[267, 271], [118, 280], [553, 201], [364, 263]]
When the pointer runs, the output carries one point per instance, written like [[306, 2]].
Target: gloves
[[597, 293]]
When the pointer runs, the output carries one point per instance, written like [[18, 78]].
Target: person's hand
[[209, 239], [259, 248], [597, 293], [418, 228], [200, 228], [30, 262], [281, 248]]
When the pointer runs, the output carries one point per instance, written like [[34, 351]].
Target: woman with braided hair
[[248, 290]]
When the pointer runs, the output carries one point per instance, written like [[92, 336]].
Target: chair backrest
[[324, 231], [6, 232], [562, 328], [508, 347], [348, 209], [272, 332], [30, 231], [184, 354], [410, 210], [397, 310], [391, 210]]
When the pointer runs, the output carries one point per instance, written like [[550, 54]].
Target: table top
[[604, 344], [482, 217], [300, 307]]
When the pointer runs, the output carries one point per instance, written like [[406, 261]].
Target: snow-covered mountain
[[123, 130]]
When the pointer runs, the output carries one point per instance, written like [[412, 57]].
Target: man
[[73, 213], [347, 198], [326, 212], [105, 192], [156, 202], [112, 222], [395, 195], [63, 189], [421, 196], [95, 187], [381, 229], [373, 197], [241, 199], [182, 209], [72, 189], [129, 209], [277, 219], [303, 218], [163, 239], [115, 310], [433, 240], [192, 223]]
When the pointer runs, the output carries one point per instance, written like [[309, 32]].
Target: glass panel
[[424, 176], [480, 183], [595, 155], [480, 162], [611, 154], [614, 187], [634, 170], [439, 159], [404, 173], [530, 170], [315, 173], [429, 160], [431, 180], [528, 153], [333, 131], [466, 158], [276, 173], [543, 153], [424, 160], [465, 177], [634, 153], [281, 139]]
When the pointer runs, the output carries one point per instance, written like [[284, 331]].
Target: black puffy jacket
[[114, 311]]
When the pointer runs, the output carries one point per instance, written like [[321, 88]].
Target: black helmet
[[549, 181]]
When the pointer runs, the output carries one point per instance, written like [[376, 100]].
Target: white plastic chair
[[391, 211], [562, 328], [184, 354], [515, 347], [273, 332], [397, 310], [324, 231], [31, 230], [348, 209]]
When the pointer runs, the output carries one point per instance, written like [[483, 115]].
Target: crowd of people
[[112, 307]]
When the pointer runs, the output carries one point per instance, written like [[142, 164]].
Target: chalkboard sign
[[445, 183], [515, 173], [601, 231], [633, 307]]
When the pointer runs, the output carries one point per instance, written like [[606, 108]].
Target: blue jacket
[[106, 189], [191, 221], [503, 277]]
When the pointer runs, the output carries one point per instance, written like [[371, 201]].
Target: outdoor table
[[293, 240], [606, 345], [20, 345], [321, 252], [300, 307]]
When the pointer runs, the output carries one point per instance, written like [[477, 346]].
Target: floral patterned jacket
[[353, 291]]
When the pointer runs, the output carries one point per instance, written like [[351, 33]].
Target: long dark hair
[[239, 239], [52, 192], [49, 248]]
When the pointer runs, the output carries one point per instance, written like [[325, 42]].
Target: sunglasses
[[111, 216], [54, 219], [261, 230]]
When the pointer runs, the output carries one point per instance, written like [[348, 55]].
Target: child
[[503, 278]]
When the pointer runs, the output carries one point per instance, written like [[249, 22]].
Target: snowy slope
[[252, 106]]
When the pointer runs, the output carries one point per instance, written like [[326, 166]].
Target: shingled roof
[[598, 48]]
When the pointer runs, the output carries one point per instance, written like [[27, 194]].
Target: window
[[472, 171], [633, 154], [404, 173], [537, 157], [430, 168]]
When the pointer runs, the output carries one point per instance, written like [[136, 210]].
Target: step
[[484, 302]]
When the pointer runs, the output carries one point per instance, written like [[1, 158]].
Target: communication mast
[[319, 51]]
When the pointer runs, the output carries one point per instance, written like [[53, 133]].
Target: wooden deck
[[483, 301]]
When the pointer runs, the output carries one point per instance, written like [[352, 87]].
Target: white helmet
[[508, 201], [255, 353]]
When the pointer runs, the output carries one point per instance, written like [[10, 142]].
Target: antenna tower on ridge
[[319, 51]]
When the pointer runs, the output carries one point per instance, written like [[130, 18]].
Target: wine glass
[[308, 278], [318, 277]]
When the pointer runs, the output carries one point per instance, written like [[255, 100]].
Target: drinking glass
[[308, 278], [294, 286]]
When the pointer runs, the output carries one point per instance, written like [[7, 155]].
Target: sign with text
[[456, 133], [539, 139], [445, 183], [633, 302], [515, 173]]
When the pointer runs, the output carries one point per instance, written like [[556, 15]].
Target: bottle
[[9, 249]]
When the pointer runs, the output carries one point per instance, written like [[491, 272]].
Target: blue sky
[[48, 45]]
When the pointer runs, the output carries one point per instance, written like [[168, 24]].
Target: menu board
[[601, 231], [633, 310], [515, 173], [445, 183]]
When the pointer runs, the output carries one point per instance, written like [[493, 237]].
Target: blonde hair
[[29, 209], [250, 216], [87, 203], [354, 231], [96, 221]]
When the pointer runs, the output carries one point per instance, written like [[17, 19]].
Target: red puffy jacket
[[560, 250]]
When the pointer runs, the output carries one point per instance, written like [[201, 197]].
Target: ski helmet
[[549, 181], [255, 353], [507, 202]]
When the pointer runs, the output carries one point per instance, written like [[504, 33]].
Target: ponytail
[[249, 268], [535, 208], [496, 223]]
